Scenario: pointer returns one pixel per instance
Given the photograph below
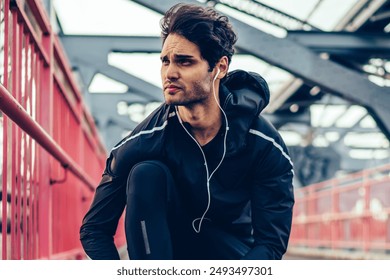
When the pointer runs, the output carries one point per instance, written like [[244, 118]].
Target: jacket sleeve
[[100, 223], [272, 203]]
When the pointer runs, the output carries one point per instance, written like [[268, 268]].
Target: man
[[204, 176]]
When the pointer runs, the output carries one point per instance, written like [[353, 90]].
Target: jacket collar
[[243, 96]]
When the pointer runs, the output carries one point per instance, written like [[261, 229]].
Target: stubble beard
[[186, 102], [190, 98]]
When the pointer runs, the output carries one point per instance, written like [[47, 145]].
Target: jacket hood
[[243, 96]]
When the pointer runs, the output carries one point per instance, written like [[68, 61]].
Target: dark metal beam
[[87, 73], [348, 43], [125, 44], [88, 55], [267, 13], [109, 122], [91, 53], [114, 98], [278, 120], [112, 133], [305, 64], [136, 85]]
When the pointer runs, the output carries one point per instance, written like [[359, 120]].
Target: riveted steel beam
[[305, 64]]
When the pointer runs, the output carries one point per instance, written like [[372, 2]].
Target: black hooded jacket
[[252, 189]]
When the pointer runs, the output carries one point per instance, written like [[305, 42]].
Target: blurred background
[[87, 72], [114, 50]]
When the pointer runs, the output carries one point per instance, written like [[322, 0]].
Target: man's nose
[[172, 72]]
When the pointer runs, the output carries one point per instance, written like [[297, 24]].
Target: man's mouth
[[172, 88]]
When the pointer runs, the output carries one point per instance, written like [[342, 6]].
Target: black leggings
[[157, 227]]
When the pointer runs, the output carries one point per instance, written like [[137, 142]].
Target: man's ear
[[223, 66]]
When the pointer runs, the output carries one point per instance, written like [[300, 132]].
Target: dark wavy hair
[[203, 26]]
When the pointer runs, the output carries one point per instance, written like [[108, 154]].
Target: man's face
[[184, 73]]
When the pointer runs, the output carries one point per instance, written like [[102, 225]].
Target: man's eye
[[165, 61], [184, 62]]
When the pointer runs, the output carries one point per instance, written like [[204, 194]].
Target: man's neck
[[205, 121]]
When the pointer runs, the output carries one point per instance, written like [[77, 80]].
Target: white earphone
[[203, 217], [217, 74]]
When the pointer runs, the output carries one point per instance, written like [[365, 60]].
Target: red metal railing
[[52, 159], [350, 213], [52, 154]]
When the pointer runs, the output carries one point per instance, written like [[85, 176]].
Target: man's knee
[[148, 177]]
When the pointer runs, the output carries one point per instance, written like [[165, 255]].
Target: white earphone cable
[[209, 176]]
